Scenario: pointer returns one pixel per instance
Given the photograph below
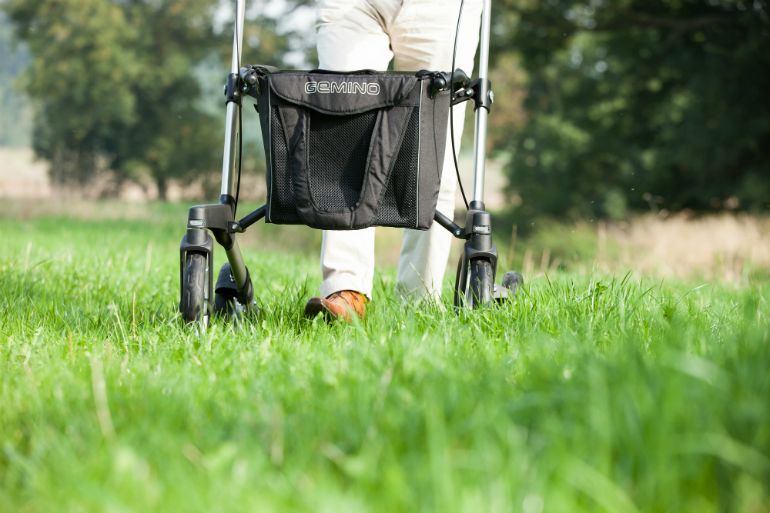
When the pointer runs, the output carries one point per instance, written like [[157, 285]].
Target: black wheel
[[224, 305], [513, 281], [195, 285], [474, 283], [481, 282], [227, 297]]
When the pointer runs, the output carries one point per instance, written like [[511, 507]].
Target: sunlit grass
[[586, 393]]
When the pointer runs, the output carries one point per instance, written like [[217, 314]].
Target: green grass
[[586, 393]]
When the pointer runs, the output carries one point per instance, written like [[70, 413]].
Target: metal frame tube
[[233, 109], [237, 265], [480, 136], [240, 15]]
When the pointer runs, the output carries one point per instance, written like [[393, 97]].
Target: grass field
[[589, 392]]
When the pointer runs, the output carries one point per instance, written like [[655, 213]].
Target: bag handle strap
[[356, 72]]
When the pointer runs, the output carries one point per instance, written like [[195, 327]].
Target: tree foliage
[[639, 104], [112, 84], [15, 119], [117, 84], [630, 104]]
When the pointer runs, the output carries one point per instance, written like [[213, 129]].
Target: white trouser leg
[[358, 34], [422, 37], [351, 36], [424, 254]]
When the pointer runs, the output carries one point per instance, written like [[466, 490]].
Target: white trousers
[[419, 34]]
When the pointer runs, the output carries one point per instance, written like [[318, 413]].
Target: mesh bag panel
[[317, 178], [282, 200], [399, 205], [339, 147]]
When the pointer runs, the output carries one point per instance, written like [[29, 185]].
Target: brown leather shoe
[[339, 305]]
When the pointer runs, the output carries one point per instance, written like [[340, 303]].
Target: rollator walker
[[344, 150]]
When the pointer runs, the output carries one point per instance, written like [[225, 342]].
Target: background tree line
[[639, 104], [15, 122], [118, 85], [603, 108]]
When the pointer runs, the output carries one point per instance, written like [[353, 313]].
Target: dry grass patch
[[727, 247]]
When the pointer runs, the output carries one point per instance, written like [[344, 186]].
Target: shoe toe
[[339, 305]]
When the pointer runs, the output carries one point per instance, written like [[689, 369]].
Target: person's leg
[[350, 37], [422, 37]]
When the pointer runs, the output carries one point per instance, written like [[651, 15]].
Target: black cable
[[451, 107], [240, 117], [237, 39], [240, 153]]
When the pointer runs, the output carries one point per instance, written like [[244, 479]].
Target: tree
[[15, 117], [640, 103], [117, 84]]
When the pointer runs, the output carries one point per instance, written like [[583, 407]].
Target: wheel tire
[[474, 283], [195, 284], [481, 280], [224, 305], [513, 281]]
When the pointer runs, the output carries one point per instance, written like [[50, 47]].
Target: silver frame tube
[[234, 256], [480, 136], [233, 109]]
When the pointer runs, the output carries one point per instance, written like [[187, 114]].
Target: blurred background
[[625, 135]]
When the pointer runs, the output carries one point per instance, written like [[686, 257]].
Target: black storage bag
[[347, 151]]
